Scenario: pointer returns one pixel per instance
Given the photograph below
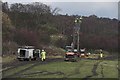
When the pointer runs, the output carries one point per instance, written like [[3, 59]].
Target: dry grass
[[7, 59]]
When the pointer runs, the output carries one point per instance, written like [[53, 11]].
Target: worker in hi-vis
[[101, 54], [43, 55]]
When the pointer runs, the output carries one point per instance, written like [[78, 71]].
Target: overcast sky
[[101, 8]]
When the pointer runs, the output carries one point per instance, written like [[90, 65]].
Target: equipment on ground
[[28, 53]]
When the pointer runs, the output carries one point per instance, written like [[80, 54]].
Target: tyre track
[[43, 73], [94, 73], [76, 71], [102, 71], [35, 64]]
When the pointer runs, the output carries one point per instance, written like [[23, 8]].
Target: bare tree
[[56, 10]]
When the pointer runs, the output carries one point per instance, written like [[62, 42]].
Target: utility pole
[[78, 40], [73, 39], [76, 33]]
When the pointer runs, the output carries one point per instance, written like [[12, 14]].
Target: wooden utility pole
[[73, 39], [76, 33], [78, 40]]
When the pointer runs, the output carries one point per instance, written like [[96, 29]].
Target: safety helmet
[[42, 50], [101, 50], [81, 18]]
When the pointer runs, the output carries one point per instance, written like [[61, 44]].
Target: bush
[[9, 48], [54, 51]]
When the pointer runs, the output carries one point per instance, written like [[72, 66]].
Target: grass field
[[62, 69]]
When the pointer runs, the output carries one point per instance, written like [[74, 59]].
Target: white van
[[27, 53]]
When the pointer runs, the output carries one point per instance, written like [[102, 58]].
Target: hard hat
[[81, 18], [42, 50], [75, 21], [100, 49]]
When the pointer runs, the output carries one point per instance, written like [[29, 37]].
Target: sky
[[100, 8]]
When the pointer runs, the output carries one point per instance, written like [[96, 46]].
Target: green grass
[[54, 67], [109, 69], [85, 69], [15, 70], [79, 69], [70, 69]]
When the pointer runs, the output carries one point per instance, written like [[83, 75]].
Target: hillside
[[35, 24]]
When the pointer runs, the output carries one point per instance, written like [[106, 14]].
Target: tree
[[5, 7], [55, 11]]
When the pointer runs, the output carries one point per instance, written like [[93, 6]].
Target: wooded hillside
[[38, 25]]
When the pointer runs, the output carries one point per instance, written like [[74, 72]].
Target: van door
[[31, 53], [27, 54]]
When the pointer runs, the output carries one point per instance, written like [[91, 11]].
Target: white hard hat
[[42, 50], [81, 18]]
